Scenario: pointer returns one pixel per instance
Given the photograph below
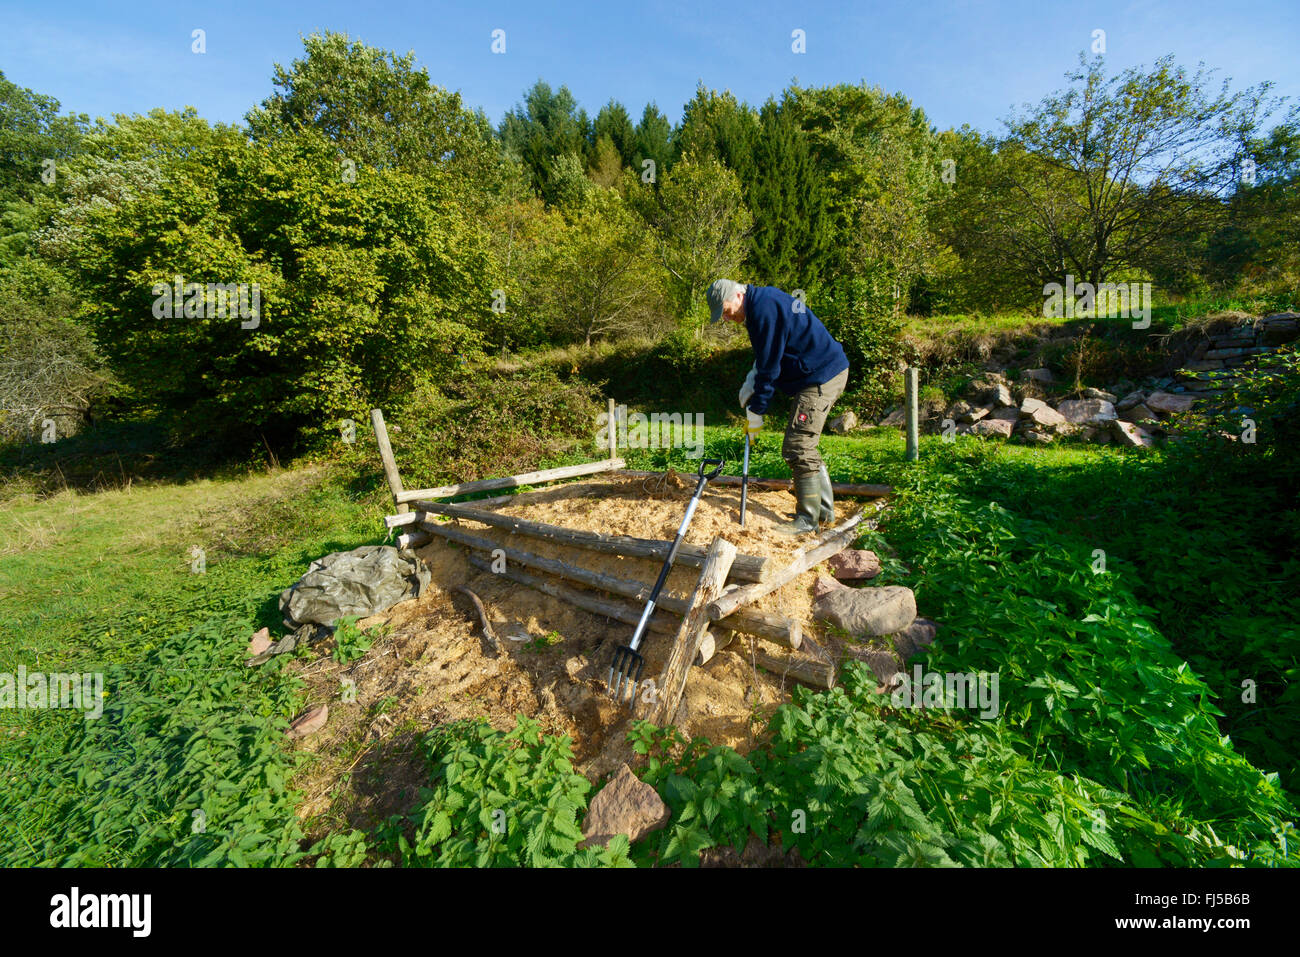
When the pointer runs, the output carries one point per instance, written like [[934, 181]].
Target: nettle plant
[[500, 800], [847, 785]]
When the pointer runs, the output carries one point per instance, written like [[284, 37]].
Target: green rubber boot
[[827, 515], [808, 495]]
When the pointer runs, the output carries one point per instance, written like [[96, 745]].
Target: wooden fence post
[[386, 456], [911, 380], [613, 431], [685, 650]]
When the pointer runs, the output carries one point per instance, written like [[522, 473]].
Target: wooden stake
[[613, 431], [386, 457], [750, 568], [672, 680], [829, 543], [911, 385]]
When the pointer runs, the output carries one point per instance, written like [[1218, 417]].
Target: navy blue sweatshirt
[[792, 350]]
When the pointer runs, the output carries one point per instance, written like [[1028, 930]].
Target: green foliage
[[350, 642], [792, 241], [654, 135], [699, 213], [546, 125], [379, 110], [32, 131], [615, 126], [718, 127], [366, 288], [186, 766], [543, 643], [487, 425], [501, 800], [598, 278], [860, 314], [342, 849]]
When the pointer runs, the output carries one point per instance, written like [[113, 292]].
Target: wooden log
[[672, 680], [391, 474], [828, 543], [405, 518], [617, 610], [714, 641], [778, 628], [511, 481], [413, 539], [816, 674], [523, 497], [840, 488], [750, 568]]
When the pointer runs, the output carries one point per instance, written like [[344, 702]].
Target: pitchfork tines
[[627, 668]]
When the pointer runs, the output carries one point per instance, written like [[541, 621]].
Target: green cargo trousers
[[808, 414]]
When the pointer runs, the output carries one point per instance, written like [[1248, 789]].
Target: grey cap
[[720, 292]]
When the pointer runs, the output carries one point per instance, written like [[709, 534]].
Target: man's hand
[[747, 390], [753, 423]]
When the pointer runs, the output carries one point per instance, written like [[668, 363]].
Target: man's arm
[[767, 335]]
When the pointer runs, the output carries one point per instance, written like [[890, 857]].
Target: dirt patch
[[430, 664]]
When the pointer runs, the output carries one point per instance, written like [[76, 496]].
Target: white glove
[[753, 423], [747, 390]]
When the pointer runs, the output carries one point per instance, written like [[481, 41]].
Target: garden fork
[[628, 662]]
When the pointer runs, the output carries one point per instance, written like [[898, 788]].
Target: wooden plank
[[840, 488], [587, 601], [750, 568], [511, 481], [672, 680], [830, 542], [778, 628], [386, 457]]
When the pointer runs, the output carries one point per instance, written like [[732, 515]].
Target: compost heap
[[555, 658]]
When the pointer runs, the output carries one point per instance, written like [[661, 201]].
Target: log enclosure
[[702, 624]]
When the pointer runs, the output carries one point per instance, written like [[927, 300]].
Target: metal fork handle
[[644, 621]]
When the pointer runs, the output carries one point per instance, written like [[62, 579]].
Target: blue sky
[[962, 62]]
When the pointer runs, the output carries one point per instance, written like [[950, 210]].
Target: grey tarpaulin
[[362, 582]]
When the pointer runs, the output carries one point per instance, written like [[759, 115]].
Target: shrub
[[483, 426]]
